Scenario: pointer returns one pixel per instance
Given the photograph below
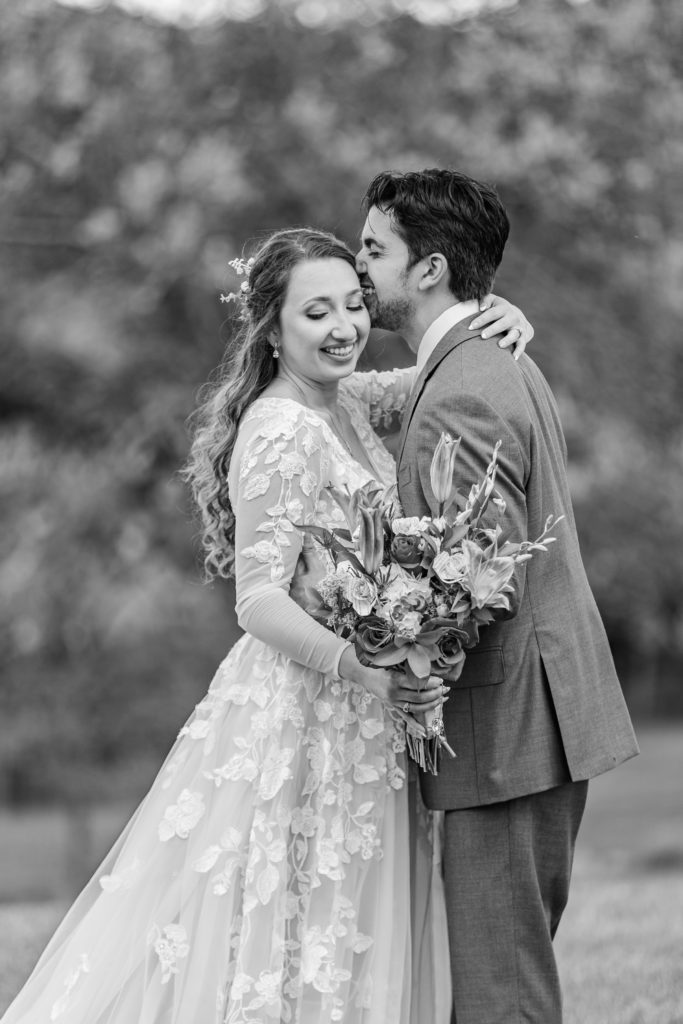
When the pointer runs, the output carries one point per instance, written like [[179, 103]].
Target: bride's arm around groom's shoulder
[[383, 393]]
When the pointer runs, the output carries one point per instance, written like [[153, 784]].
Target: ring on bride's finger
[[405, 708]]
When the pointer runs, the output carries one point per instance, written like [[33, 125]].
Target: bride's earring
[[274, 342]]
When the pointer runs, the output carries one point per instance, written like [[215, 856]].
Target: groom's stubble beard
[[394, 315]]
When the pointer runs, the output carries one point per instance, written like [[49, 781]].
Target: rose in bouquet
[[412, 593]]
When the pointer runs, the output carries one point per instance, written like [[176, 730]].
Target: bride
[[280, 868]]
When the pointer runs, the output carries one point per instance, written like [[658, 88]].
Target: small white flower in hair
[[241, 267]]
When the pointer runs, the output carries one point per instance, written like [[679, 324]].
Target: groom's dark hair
[[448, 212]]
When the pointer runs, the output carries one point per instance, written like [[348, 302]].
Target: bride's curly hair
[[246, 370]]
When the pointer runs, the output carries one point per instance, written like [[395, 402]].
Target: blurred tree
[[136, 157]]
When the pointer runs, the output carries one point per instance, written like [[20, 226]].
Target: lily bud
[[441, 470], [370, 538]]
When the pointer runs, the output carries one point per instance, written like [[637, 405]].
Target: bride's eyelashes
[[351, 309]]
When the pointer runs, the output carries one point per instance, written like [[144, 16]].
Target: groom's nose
[[361, 266]]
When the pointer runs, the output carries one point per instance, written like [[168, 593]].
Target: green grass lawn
[[620, 944], [620, 950]]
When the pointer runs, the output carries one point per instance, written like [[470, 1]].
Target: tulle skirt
[[281, 868]]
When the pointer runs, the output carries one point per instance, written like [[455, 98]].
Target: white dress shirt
[[440, 327]]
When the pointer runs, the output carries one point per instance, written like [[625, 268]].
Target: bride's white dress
[[281, 867]]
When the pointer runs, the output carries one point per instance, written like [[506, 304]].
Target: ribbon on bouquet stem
[[425, 750]]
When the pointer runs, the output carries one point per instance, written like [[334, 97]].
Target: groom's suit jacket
[[538, 702]]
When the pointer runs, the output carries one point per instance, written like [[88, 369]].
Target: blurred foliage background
[[138, 155]]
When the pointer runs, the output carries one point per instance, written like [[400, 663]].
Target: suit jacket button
[[495, 776]]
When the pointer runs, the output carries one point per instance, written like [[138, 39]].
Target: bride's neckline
[[370, 468]]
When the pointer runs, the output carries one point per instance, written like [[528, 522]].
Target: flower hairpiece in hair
[[240, 267]]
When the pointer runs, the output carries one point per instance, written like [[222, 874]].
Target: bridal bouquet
[[413, 592]]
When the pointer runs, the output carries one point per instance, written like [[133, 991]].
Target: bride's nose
[[344, 330]]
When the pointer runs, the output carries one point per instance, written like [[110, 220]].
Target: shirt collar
[[441, 326]]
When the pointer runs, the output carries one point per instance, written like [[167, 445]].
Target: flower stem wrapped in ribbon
[[414, 592]]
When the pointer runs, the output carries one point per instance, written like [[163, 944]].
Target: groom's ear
[[435, 272]]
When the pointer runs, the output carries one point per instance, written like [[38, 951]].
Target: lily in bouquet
[[413, 592]]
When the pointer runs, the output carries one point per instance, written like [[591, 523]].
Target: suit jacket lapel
[[451, 340]]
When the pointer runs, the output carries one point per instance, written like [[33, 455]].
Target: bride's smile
[[340, 352]]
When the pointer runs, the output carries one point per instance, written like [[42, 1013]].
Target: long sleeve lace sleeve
[[276, 480], [384, 393]]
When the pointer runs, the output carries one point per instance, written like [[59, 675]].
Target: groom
[[538, 709]]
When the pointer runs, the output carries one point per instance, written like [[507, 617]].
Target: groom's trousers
[[507, 868]]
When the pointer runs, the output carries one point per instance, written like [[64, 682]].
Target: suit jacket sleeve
[[480, 425]]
